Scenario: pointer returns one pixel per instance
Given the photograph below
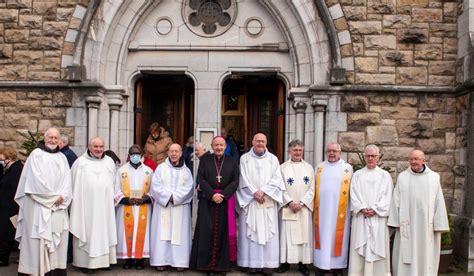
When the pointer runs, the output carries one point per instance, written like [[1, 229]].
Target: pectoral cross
[[219, 178]]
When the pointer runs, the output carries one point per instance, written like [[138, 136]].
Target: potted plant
[[446, 248]]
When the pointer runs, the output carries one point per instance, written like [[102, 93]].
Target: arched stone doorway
[[131, 39], [168, 100], [255, 103]]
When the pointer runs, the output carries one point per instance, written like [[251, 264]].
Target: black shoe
[[303, 269], [139, 264], [87, 270], [3, 263], [267, 271], [321, 272], [106, 268], [284, 267], [129, 263], [337, 272]]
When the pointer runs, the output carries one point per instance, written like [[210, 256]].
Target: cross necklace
[[218, 170]]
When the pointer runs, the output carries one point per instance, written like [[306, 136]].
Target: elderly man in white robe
[[172, 190], [296, 227], [44, 194], [259, 193], [419, 214], [371, 192], [331, 212], [92, 210], [133, 203]]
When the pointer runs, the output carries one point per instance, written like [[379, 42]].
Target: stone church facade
[[396, 73]]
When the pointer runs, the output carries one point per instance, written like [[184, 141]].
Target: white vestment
[[93, 212], [171, 222], [296, 229], [329, 194], [370, 241], [258, 240], [42, 227], [136, 177], [419, 213]]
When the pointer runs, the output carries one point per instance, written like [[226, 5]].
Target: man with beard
[[44, 194], [214, 243]]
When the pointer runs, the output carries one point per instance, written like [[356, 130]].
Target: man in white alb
[[371, 192], [92, 210], [296, 227], [172, 190], [331, 212], [259, 193], [419, 214], [44, 194]]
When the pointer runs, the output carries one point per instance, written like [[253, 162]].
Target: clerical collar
[[219, 157], [93, 156], [135, 166], [259, 154], [296, 161], [422, 170], [180, 162], [41, 145]]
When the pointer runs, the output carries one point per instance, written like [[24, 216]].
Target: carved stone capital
[[93, 101], [299, 106]]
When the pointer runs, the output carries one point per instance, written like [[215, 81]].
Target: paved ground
[[117, 270]]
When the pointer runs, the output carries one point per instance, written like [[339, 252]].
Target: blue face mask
[[135, 158]]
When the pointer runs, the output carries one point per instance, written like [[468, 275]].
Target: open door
[[251, 104], [168, 100]]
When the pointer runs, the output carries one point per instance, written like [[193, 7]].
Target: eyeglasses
[[332, 151], [371, 156]]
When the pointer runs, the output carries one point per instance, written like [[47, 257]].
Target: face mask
[[135, 158]]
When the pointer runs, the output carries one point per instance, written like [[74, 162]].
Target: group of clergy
[[256, 213]]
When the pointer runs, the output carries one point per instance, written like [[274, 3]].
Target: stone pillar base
[[464, 242]]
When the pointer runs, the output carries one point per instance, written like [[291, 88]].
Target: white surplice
[[93, 212], [370, 245], [42, 227], [136, 177], [329, 194], [171, 222], [258, 241], [296, 229], [419, 213]]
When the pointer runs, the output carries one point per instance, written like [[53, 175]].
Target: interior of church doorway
[[168, 100], [251, 104]]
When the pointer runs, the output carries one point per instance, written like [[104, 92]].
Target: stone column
[[319, 107], [115, 104], [93, 104], [300, 108]]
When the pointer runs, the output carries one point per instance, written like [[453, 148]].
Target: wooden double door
[[250, 104]]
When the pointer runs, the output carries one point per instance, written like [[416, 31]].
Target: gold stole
[[341, 210], [128, 218]]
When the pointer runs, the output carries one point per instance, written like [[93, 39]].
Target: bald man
[[92, 210], [43, 195], [418, 213], [172, 190], [214, 243], [259, 193]]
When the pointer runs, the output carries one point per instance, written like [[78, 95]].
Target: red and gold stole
[[341, 210], [128, 218]]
